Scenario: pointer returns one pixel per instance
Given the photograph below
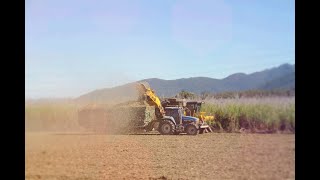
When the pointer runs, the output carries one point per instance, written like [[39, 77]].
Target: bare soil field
[[206, 156]]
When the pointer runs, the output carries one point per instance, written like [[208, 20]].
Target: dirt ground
[[206, 156]]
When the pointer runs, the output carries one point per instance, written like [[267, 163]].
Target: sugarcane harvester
[[168, 120]]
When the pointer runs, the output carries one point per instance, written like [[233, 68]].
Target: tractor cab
[[178, 116], [176, 113]]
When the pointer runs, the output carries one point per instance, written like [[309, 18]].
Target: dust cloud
[[112, 114]]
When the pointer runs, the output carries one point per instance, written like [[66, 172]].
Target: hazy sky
[[76, 46]]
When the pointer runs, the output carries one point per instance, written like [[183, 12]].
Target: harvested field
[[207, 156]]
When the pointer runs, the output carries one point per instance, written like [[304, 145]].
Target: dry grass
[[52, 117], [271, 114]]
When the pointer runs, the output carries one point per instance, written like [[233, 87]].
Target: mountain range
[[281, 77]]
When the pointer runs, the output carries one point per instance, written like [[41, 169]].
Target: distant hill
[[281, 77], [286, 81], [117, 94]]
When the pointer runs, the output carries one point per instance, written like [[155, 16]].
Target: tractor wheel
[[166, 127], [191, 130], [202, 130]]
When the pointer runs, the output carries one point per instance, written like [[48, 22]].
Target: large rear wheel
[[166, 127]]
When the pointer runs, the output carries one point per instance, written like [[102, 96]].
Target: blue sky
[[76, 46]]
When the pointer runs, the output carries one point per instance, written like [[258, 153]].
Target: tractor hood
[[190, 118]]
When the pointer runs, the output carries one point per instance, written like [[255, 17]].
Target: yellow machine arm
[[151, 98]]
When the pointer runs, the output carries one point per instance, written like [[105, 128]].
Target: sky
[[76, 46]]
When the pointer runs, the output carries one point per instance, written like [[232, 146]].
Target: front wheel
[[191, 130]]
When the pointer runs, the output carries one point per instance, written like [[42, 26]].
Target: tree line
[[236, 94]]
